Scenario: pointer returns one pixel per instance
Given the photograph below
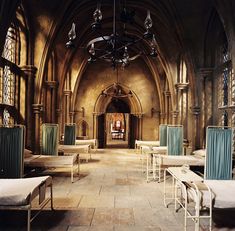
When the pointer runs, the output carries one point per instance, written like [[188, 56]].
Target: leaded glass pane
[[6, 117], [10, 46]]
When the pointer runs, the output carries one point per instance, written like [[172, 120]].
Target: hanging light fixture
[[115, 48]]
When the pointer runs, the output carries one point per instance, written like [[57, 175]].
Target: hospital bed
[[217, 188], [160, 157], [145, 143], [91, 142], [68, 149], [18, 194], [208, 195], [46, 161], [160, 162], [195, 195]]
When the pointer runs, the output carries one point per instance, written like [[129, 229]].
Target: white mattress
[[16, 192], [138, 143], [180, 160], [74, 148], [222, 194], [92, 142], [50, 161], [160, 150]]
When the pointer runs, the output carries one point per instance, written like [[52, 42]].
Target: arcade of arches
[[190, 82]]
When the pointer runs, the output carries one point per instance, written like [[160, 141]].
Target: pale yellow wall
[[137, 77]]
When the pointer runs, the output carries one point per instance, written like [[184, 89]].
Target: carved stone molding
[[206, 73], [51, 84], [67, 92], [163, 115], [196, 110], [37, 108], [167, 93], [175, 114], [182, 86], [29, 70], [58, 111]]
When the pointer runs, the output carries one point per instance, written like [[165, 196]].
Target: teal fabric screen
[[175, 141], [218, 154], [163, 134], [11, 152], [50, 139], [70, 134]]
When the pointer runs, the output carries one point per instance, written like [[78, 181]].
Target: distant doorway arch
[[131, 109]]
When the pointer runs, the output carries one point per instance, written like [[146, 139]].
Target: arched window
[[224, 69], [7, 75], [12, 83]]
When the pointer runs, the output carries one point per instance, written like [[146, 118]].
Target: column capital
[[72, 113], [97, 113], [58, 111], [67, 92], [167, 93], [196, 110], [175, 114], [37, 108], [139, 115], [163, 115], [51, 84], [154, 111], [181, 86], [205, 72], [29, 70]]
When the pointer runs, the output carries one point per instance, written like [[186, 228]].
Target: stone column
[[58, 120], [140, 126], [196, 131], [205, 101], [182, 89], [51, 100], [37, 110], [67, 94], [30, 72], [167, 105], [162, 118], [175, 117], [71, 116]]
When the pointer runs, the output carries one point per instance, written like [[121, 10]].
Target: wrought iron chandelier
[[120, 47]]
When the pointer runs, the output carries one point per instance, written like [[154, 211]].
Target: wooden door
[[101, 131], [133, 130]]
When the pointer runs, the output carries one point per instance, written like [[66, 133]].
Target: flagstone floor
[[111, 194]]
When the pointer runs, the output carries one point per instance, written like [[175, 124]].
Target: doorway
[[117, 131], [117, 126]]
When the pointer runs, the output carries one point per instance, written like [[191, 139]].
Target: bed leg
[[29, 219], [52, 208], [72, 174], [159, 173], [78, 167]]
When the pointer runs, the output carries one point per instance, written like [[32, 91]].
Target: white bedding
[[74, 148], [180, 160], [92, 142], [222, 194], [16, 192], [50, 161], [139, 143]]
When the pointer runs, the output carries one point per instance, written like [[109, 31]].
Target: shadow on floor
[[117, 145], [224, 218], [17, 220]]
